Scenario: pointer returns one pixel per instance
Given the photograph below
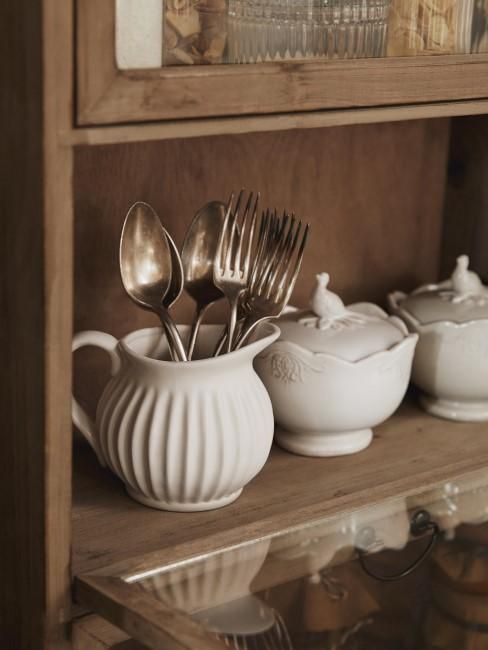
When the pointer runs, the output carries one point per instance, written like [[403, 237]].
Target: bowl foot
[[324, 443], [459, 411], [174, 506]]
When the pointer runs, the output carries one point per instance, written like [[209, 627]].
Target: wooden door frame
[[142, 616], [36, 304], [58, 55]]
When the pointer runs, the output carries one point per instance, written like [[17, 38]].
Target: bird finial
[[463, 262], [323, 279]]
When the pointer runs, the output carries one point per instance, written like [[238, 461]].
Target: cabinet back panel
[[373, 195], [466, 211]]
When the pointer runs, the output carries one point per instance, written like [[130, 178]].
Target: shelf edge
[[169, 130]]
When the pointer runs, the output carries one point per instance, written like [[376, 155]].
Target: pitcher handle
[[83, 422]]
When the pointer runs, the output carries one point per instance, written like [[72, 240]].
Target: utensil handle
[[82, 421], [248, 326], [195, 327], [174, 338], [172, 351], [223, 337], [221, 342], [234, 304]]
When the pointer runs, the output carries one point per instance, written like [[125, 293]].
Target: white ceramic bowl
[[450, 364], [181, 436], [327, 406]]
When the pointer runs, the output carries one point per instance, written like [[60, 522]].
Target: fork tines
[[237, 237], [276, 270], [234, 251], [257, 274]]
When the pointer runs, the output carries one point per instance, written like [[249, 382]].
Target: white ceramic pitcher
[[181, 436]]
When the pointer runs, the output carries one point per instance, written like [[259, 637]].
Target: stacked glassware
[[275, 30]]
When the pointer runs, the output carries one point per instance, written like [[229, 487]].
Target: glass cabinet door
[[199, 32]]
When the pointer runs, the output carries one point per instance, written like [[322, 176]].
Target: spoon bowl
[[198, 257], [146, 268], [145, 257]]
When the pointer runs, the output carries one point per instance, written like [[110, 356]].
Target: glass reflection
[[306, 590]]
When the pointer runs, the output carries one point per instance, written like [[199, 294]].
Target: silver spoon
[[198, 256], [146, 267]]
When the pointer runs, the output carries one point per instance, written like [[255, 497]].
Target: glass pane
[[307, 590], [152, 33]]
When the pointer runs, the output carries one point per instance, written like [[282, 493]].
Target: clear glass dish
[[271, 30]]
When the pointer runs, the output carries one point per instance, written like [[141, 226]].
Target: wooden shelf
[[411, 453], [174, 129]]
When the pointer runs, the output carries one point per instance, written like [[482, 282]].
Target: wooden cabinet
[[82, 140]]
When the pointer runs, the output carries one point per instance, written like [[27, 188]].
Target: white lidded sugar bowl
[[181, 436], [335, 373], [451, 361]]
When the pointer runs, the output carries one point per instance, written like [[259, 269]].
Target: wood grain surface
[[143, 617], [95, 633], [194, 128], [22, 534], [373, 195], [410, 453], [36, 323], [267, 88], [58, 212], [107, 95]]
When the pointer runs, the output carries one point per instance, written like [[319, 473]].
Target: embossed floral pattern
[[286, 368]]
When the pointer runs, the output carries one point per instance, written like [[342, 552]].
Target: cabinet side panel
[[58, 283], [21, 328], [35, 324]]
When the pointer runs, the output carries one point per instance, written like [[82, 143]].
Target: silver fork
[[270, 242], [267, 229], [233, 257], [273, 283]]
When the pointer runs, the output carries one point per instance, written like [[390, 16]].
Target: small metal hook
[[420, 524]]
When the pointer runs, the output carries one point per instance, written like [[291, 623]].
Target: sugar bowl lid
[[460, 299], [351, 333]]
